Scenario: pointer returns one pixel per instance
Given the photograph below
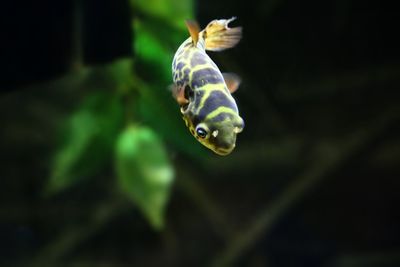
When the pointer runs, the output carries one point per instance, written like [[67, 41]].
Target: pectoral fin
[[218, 36], [178, 92], [232, 81]]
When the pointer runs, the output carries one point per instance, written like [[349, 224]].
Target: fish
[[202, 91]]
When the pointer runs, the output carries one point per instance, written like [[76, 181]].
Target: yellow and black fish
[[202, 91]]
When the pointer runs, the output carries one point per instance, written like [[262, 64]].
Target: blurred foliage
[[172, 12], [144, 171], [88, 139], [312, 181], [135, 91], [154, 47]]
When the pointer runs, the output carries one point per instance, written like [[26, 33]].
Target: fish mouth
[[223, 152]]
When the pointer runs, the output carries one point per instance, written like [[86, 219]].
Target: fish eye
[[201, 132]]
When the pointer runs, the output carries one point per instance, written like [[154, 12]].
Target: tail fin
[[218, 36]]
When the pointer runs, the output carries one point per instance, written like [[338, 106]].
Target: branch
[[187, 182], [328, 158], [74, 235]]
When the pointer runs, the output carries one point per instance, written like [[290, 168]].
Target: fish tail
[[218, 36]]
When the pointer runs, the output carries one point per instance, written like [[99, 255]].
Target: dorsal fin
[[194, 30]]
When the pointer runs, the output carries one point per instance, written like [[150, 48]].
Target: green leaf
[[152, 52], [87, 143], [155, 44], [171, 11], [144, 172]]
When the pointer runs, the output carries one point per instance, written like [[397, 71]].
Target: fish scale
[[207, 105]]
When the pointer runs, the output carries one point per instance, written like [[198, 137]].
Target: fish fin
[[194, 30], [218, 36], [178, 92], [232, 81]]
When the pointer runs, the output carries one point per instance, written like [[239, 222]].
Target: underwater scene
[[207, 133]]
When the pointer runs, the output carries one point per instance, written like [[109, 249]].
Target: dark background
[[314, 180]]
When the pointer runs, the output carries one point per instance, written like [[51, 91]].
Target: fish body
[[203, 92]]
